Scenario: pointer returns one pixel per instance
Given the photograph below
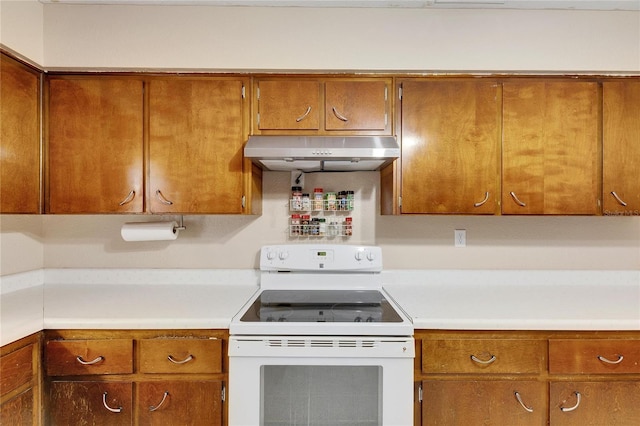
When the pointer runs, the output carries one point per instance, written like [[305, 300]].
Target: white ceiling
[[426, 4]]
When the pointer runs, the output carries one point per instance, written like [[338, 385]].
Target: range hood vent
[[322, 153]]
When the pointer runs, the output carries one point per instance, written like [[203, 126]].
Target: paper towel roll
[[149, 231]]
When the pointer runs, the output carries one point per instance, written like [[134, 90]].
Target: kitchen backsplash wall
[[417, 242]]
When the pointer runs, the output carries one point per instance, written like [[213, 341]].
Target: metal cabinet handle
[[184, 361], [618, 199], [104, 402], [516, 199], [486, 198], [338, 115], [163, 200], [303, 116], [519, 398], [95, 361], [128, 198], [608, 361], [164, 397], [479, 361], [567, 409]]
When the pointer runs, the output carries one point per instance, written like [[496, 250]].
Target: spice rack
[[309, 214]]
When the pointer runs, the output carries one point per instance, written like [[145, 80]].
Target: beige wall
[[326, 39], [335, 39], [22, 28]]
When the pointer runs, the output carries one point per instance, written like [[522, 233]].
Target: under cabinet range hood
[[322, 153]]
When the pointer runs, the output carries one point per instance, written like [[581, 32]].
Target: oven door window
[[320, 395]]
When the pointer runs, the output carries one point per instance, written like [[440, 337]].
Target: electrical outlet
[[297, 178], [460, 238]]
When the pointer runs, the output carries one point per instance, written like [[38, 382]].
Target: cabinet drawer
[[16, 369], [594, 356], [180, 355], [509, 356], [81, 357]]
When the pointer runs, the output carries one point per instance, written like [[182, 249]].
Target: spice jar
[[342, 200], [295, 225], [296, 198], [304, 224], [331, 201], [348, 226], [322, 227], [350, 200], [317, 199], [306, 202]]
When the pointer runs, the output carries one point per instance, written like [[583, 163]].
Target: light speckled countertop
[[183, 299]]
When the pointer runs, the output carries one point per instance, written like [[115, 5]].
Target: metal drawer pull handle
[[486, 198], [162, 199], [608, 361], [184, 361], [164, 397], [95, 361], [567, 409], [104, 402], [340, 116], [128, 198], [303, 116], [618, 199], [479, 361], [516, 199], [528, 409]]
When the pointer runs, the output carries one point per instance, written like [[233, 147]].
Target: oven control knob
[[371, 256], [283, 255], [271, 255], [360, 255], [370, 319], [357, 319]]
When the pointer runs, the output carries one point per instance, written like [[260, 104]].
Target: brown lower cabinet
[[555, 378], [20, 378], [136, 377]]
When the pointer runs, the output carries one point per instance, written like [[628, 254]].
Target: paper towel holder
[[180, 227]]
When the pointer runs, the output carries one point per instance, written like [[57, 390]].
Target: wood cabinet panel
[[19, 410], [109, 356], [601, 403], [550, 147], [19, 137], [594, 356], [16, 369], [461, 356], [196, 137], [470, 403], [192, 402], [450, 146], [95, 145], [91, 403], [180, 355], [356, 105], [621, 147], [289, 105]]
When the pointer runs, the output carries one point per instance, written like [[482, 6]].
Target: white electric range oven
[[321, 343]]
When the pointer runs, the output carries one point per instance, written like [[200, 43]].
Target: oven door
[[320, 380]]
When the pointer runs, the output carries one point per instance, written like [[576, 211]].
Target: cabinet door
[[288, 105], [95, 145], [550, 147], [450, 138], [470, 403], [19, 410], [595, 403], [196, 136], [91, 403], [356, 105], [180, 402], [621, 147], [19, 138]]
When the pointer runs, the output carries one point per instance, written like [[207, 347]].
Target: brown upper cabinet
[[175, 149], [196, 136], [621, 147], [450, 132], [551, 147], [20, 137], [95, 145], [322, 106]]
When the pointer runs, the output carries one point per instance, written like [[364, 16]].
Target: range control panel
[[323, 257]]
